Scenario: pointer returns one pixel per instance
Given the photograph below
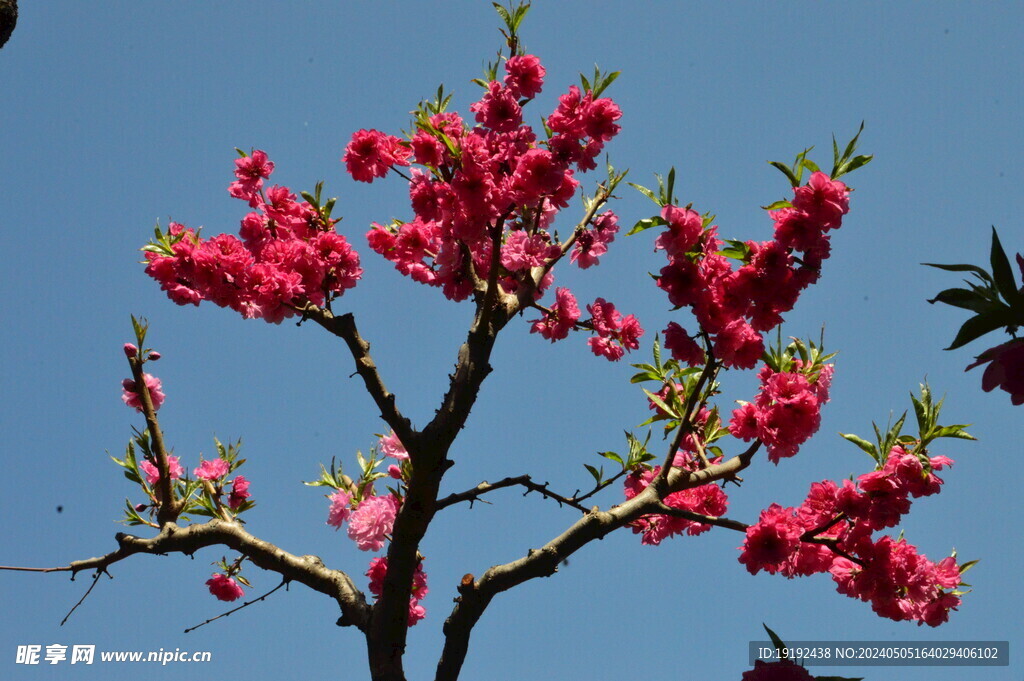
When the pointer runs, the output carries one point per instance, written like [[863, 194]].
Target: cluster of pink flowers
[[379, 569], [900, 583], [288, 254], [786, 411], [708, 500], [735, 307], [224, 588], [615, 334], [130, 392], [369, 520], [497, 185]]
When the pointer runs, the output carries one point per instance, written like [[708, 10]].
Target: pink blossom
[[498, 110], [239, 492], [153, 473], [525, 76], [1006, 369], [378, 571], [616, 333], [212, 469], [522, 252], [130, 392], [738, 345], [224, 588], [684, 230], [683, 347], [772, 540], [130, 350], [370, 154], [591, 244], [340, 510], [537, 173], [392, 446], [562, 318], [371, 521], [823, 199]]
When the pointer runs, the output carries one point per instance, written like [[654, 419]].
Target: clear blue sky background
[[117, 114]]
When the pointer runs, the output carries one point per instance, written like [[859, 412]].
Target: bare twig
[[95, 578], [284, 582]]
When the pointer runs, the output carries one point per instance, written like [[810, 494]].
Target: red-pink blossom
[[525, 76], [780, 670], [498, 110], [591, 244], [130, 392], [211, 469], [683, 347], [224, 588], [378, 570], [616, 333], [562, 318], [823, 199], [1005, 370], [239, 492], [371, 153], [772, 540]]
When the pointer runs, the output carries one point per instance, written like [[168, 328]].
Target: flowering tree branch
[[308, 570], [575, 501]]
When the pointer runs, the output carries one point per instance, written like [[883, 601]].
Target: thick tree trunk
[[8, 19]]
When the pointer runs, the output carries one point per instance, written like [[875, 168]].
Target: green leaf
[[645, 191], [953, 431], [964, 298], [793, 180], [503, 13], [779, 644], [979, 325], [967, 566], [658, 402], [612, 456], [776, 205], [871, 450], [1002, 272], [598, 476], [982, 274]]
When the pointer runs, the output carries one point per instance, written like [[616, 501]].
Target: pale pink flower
[[371, 521], [130, 392], [153, 473], [393, 447], [340, 510], [212, 469]]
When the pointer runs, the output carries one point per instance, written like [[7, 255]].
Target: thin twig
[[95, 578], [243, 605]]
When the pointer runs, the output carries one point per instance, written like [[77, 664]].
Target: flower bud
[[139, 508], [153, 356], [395, 472], [130, 350]]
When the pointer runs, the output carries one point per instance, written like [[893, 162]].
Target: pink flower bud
[[130, 350], [153, 356], [139, 508], [395, 472]]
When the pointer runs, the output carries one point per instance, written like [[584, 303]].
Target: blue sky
[[118, 114]]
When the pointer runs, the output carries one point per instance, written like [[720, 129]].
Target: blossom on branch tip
[[224, 588], [392, 446], [239, 492], [371, 153], [212, 469]]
